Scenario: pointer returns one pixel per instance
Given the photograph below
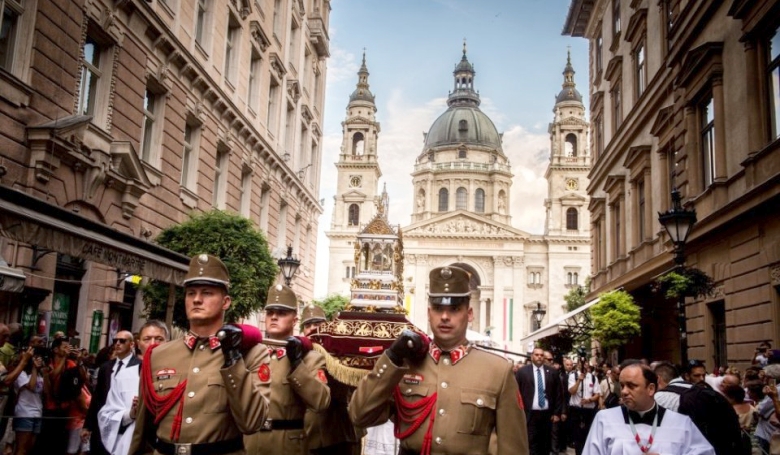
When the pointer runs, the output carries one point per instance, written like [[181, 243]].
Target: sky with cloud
[[412, 47]]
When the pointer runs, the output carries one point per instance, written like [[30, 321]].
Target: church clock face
[[571, 184], [354, 181]]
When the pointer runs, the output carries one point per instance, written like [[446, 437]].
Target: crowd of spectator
[[52, 391], [736, 411]]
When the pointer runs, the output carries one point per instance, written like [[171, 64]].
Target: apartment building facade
[[684, 94], [121, 117]]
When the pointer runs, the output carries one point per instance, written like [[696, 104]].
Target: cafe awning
[[575, 321], [34, 221], [11, 279]]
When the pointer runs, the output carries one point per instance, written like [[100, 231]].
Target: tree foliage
[[575, 298], [332, 304], [684, 282], [233, 239], [615, 319]]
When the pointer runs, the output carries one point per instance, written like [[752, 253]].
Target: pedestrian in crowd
[[761, 354], [28, 385], [106, 359], [585, 396], [640, 425], [448, 396], [7, 359], [670, 385], [192, 396], [757, 390], [746, 415], [548, 358], [610, 388], [297, 376], [77, 413], [117, 417], [541, 391], [329, 432], [564, 425], [63, 379]]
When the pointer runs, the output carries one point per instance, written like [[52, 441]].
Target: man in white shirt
[[117, 417], [640, 426], [585, 392]]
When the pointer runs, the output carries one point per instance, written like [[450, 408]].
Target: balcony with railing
[[318, 33], [462, 166]]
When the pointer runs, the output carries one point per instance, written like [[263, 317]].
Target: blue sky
[[412, 46]]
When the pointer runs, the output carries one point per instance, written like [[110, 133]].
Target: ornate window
[[479, 201], [444, 200], [358, 144], [354, 215], [774, 82], [572, 219], [461, 198], [707, 139]]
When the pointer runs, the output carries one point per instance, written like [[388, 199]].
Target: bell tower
[[357, 186], [567, 174]]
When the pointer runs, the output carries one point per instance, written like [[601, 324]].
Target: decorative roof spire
[[464, 93], [362, 93], [569, 88]]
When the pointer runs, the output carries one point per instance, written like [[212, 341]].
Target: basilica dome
[[463, 124]]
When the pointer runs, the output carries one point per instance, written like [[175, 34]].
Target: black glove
[[295, 351], [230, 338], [409, 345]]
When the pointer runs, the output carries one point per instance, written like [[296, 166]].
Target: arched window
[[444, 200], [571, 145], [358, 144], [462, 153], [463, 125], [461, 199], [571, 219], [354, 214], [479, 201]]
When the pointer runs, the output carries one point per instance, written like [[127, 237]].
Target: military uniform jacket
[[476, 394], [292, 392], [332, 426], [219, 404]]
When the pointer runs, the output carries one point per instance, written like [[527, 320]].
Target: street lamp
[[538, 315], [678, 223], [289, 266]]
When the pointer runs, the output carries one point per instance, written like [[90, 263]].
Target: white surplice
[[116, 424], [675, 434]]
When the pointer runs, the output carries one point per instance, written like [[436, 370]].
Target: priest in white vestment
[[639, 426], [117, 417]]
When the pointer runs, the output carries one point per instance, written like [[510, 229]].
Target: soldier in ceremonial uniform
[[297, 380], [200, 393], [329, 432], [449, 397]]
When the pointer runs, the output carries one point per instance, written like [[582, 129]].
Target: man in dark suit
[[124, 351], [540, 387]]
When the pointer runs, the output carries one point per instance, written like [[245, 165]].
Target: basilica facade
[[462, 180]]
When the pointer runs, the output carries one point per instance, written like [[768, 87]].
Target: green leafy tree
[[332, 304], [615, 319], [233, 239]]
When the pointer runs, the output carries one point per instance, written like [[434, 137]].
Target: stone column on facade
[[756, 127], [418, 311], [665, 181], [498, 295], [518, 286], [648, 178], [482, 314]]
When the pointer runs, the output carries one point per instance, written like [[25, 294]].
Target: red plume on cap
[[252, 336]]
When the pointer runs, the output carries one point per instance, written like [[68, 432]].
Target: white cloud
[[342, 66]]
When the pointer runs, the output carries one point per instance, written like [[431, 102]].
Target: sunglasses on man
[[121, 340]]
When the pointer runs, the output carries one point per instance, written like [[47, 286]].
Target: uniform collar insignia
[[191, 340], [455, 355], [279, 353]]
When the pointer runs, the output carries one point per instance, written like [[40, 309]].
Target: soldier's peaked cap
[[312, 313], [208, 270], [281, 297], [448, 282]]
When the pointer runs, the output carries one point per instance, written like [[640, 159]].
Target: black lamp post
[[538, 315], [289, 266], [678, 223]]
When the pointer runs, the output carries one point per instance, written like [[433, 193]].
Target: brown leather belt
[[274, 424], [205, 448]]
